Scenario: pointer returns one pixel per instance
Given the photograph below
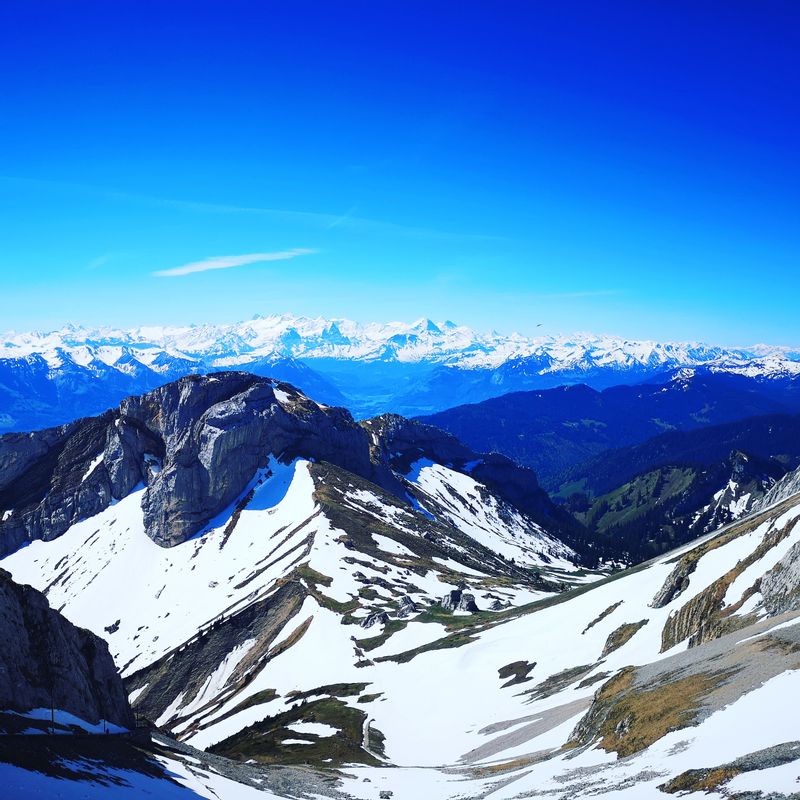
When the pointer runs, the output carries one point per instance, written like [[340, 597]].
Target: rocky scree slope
[[405, 444]]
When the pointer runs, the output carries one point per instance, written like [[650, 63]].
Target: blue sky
[[620, 167]]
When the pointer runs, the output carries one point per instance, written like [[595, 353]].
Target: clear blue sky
[[628, 167]]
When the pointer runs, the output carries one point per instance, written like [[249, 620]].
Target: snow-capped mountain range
[[289, 336], [372, 368]]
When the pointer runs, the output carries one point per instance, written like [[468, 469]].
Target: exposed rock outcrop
[[194, 444], [375, 618], [217, 431], [186, 671], [47, 660], [459, 600], [787, 486], [407, 607], [780, 587], [705, 616]]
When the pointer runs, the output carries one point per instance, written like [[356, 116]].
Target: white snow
[[436, 708], [91, 468], [281, 396], [468, 505], [164, 596], [136, 693], [390, 545], [317, 728], [783, 779], [289, 336], [762, 566], [61, 717]]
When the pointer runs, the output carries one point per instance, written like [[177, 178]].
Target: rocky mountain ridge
[[198, 444]]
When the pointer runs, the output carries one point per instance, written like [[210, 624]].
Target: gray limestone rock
[[375, 618], [193, 444], [459, 600], [407, 607], [780, 587]]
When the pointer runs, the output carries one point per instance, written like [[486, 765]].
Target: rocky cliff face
[[216, 432], [45, 659], [780, 587], [195, 444], [786, 487]]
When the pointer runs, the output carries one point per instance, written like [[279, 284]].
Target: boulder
[[407, 607], [375, 618], [459, 600]]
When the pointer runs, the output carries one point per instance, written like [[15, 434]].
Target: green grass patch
[[263, 742], [389, 629]]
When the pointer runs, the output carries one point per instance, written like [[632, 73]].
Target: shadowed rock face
[[44, 656], [51, 479]]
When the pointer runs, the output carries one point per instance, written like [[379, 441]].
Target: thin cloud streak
[[228, 262], [587, 293], [319, 219]]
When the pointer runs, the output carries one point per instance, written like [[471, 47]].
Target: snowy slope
[[151, 603], [429, 636], [467, 504], [500, 694]]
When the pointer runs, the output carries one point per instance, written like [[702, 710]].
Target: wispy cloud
[[587, 293], [343, 219], [103, 260], [228, 262], [318, 219]]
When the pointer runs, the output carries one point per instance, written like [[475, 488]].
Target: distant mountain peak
[[412, 368], [446, 342]]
